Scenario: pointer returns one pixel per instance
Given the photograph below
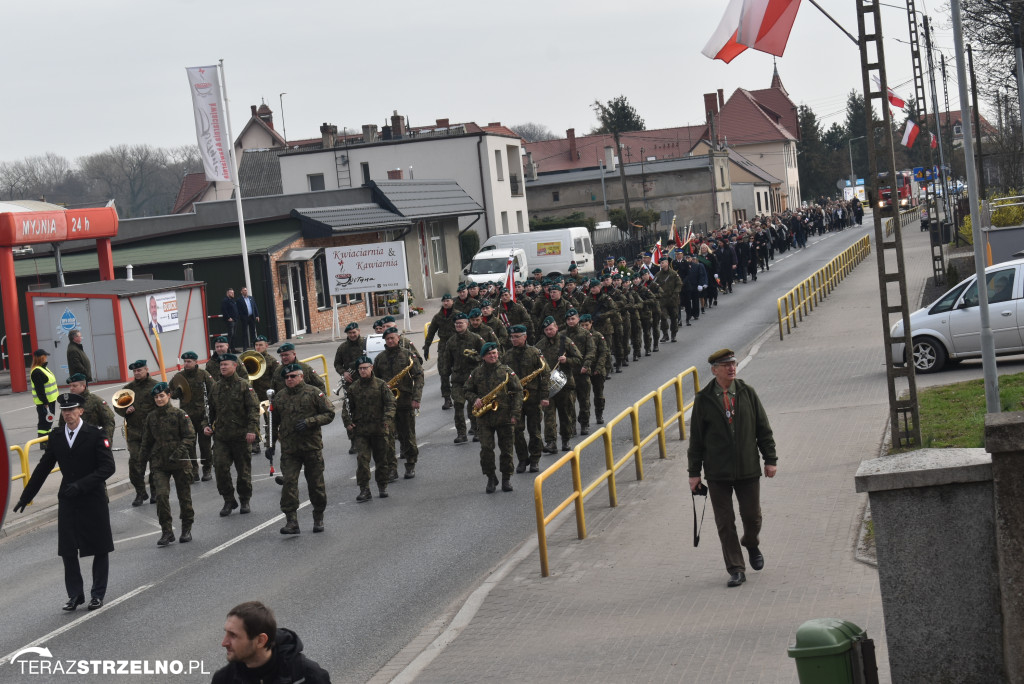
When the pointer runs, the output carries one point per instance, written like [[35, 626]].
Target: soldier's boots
[[195, 476], [364, 495], [647, 352], [599, 417], [636, 356], [584, 429], [475, 438], [550, 448], [382, 489], [291, 524], [410, 471], [447, 404], [534, 468], [673, 337], [393, 477], [618, 367], [492, 483], [506, 483], [625, 360], [167, 538], [140, 498], [352, 449], [565, 445], [521, 467], [461, 439], [318, 523], [245, 507], [186, 535], [664, 338], [228, 507], [207, 473], [656, 348], [152, 498]]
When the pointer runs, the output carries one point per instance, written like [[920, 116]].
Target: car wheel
[[929, 355]]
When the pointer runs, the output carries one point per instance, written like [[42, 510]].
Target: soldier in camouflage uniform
[[135, 419], [96, 411], [635, 322], [525, 360], [403, 341], [646, 299], [351, 349], [555, 307], [602, 362], [624, 332], [273, 366], [459, 365], [509, 313], [201, 388], [443, 326], [587, 346], [287, 353], [476, 325], [369, 412], [559, 351], [463, 302], [165, 444], [653, 304], [234, 423], [220, 348], [300, 410], [487, 377], [390, 363], [491, 321], [670, 284], [601, 309]]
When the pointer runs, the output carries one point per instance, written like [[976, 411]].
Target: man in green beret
[[95, 410], [397, 366], [584, 341], [562, 354], [458, 358], [287, 354], [233, 424], [442, 325], [220, 348], [200, 385], [463, 302], [368, 413], [534, 376], [135, 416], [265, 381], [166, 441], [728, 427], [498, 385]]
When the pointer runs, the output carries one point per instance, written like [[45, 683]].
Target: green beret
[[586, 318], [485, 302], [351, 326], [160, 388], [141, 363], [446, 295], [190, 355], [221, 340], [475, 313], [291, 368], [536, 270], [78, 377], [572, 312], [363, 359], [461, 317], [387, 319], [461, 287], [378, 323], [594, 282], [548, 321], [390, 330], [555, 286], [573, 266], [721, 356], [545, 281], [518, 328], [488, 346], [617, 276], [229, 357], [262, 338], [287, 346]]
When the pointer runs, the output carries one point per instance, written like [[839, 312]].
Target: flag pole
[[234, 179], [838, 25]]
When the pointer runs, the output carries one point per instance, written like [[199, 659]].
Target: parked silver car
[[949, 329]]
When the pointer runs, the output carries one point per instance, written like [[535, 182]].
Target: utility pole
[[977, 125], [935, 108]]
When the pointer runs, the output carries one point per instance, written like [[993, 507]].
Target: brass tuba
[[529, 378], [123, 398], [490, 401], [255, 364], [393, 382]]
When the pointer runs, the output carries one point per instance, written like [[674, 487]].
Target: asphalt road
[[381, 572]]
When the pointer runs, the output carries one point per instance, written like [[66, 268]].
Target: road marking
[[71, 625], [136, 514], [138, 536], [231, 542]]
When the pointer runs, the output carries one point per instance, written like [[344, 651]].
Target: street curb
[[37, 519]]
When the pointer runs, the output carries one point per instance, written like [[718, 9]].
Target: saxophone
[[529, 378], [393, 382], [490, 402]]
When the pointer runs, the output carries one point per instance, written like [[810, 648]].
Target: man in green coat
[[500, 415], [166, 438], [78, 360], [369, 413], [234, 424], [728, 427], [135, 420], [398, 362], [200, 384]]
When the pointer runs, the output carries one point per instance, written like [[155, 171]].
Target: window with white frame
[[437, 247], [315, 181]]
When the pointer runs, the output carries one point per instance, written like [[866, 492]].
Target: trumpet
[[123, 398], [255, 364]]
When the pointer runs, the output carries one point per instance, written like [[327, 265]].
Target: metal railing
[[26, 345], [802, 299], [906, 218], [325, 375], [611, 466], [23, 452]]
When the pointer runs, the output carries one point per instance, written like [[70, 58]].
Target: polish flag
[[656, 257], [894, 99], [935, 141], [510, 277], [910, 134], [764, 25]]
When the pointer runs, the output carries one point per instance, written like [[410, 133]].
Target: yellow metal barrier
[[611, 466], [802, 299], [325, 375], [23, 460]]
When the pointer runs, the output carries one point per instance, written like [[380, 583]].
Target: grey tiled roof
[[425, 198], [259, 173], [351, 217]]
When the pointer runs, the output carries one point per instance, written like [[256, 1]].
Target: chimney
[[329, 134], [710, 105], [369, 133], [570, 134], [721, 99], [394, 174], [253, 109], [442, 123], [609, 158], [397, 126]]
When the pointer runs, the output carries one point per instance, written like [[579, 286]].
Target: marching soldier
[[403, 341], [584, 341], [234, 421], [349, 350], [559, 352], [635, 322], [369, 412], [455, 361], [623, 332], [653, 304], [96, 411], [200, 385], [601, 308], [463, 302], [644, 296], [499, 329], [476, 325], [670, 284], [554, 307], [135, 419], [287, 353], [300, 410], [443, 326], [510, 313], [265, 381], [602, 362], [166, 441], [525, 360], [397, 362], [507, 405], [220, 348]]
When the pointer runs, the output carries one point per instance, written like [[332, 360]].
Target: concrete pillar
[[1004, 439]]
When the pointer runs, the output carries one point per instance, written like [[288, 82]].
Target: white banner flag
[[376, 267], [211, 122]]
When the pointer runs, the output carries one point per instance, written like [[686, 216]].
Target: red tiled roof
[[498, 129], [745, 121], [192, 186], [779, 103], [552, 156], [952, 118]]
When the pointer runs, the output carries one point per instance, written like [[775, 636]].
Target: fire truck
[[907, 191]]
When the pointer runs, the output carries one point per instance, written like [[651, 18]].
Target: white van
[[490, 266], [549, 250]]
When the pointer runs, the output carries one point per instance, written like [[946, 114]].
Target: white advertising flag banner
[[211, 122], [376, 267]]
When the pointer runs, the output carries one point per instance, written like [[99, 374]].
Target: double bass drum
[[374, 346]]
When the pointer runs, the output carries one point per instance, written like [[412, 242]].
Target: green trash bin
[[833, 651]]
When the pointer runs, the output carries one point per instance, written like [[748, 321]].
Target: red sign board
[[28, 227]]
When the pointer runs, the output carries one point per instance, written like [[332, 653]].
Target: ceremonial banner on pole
[[211, 122]]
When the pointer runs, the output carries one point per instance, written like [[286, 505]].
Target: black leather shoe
[[736, 579], [186, 537], [534, 468], [475, 438], [364, 495], [446, 405], [291, 527], [492, 484], [506, 483], [472, 430], [599, 419], [352, 450], [647, 352], [139, 500], [94, 603], [461, 439], [756, 559], [73, 603], [521, 468], [245, 508], [228, 507], [167, 538]]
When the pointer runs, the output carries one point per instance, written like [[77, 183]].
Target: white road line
[[135, 514], [138, 536], [231, 542], [74, 623]]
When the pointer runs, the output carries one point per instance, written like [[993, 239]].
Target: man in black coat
[[83, 516], [258, 651], [229, 312]]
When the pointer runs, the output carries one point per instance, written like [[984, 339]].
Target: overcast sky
[[82, 76]]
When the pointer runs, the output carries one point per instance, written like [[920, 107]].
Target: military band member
[[601, 308], [463, 302], [135, 419], [476, 325], [265, 381], [670, 284], [234, 421], [442, 325], [559, 352], [499, 329], [369, 412], [349, 350], [220, 348], [654, 304], [300, 411], [525, 360], [455, 361], [389, 364], [95, 410], [200, 385], [166, 439], [584, 341], [287, 353], [501, 420], [624, 331], [635, 322], [602, 363], [403, 341]]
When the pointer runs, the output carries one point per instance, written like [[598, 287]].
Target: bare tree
[[137, 177], [532, 132]]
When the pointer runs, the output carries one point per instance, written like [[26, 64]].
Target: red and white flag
[[764, 25], [510, 278], [894, 99], [910, 134], [935, 141], [211, 122], [656, 257]]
